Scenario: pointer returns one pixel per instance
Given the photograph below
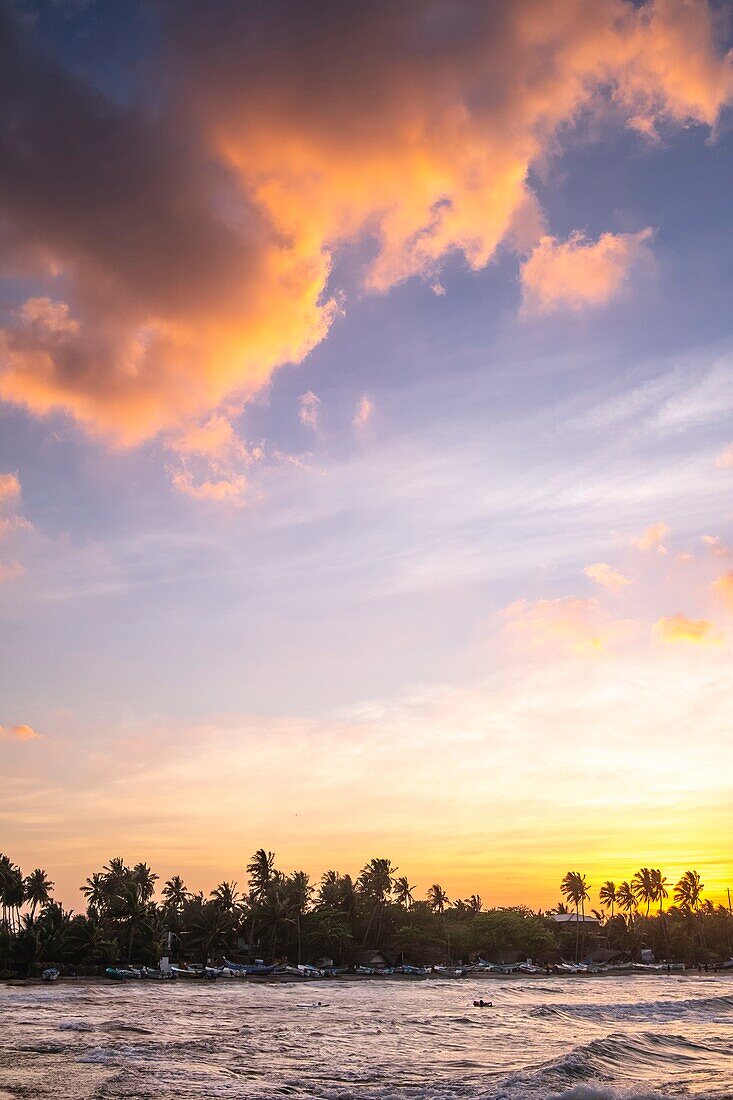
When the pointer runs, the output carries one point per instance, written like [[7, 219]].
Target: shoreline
[[348, 979]]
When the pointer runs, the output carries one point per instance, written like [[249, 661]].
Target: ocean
[[370, 1039]]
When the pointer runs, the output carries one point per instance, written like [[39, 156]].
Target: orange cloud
[[579, 272], [602, 573], [9, 487], [723, 588], [652, 538], [678, 628], [193, 255], [18, 733]]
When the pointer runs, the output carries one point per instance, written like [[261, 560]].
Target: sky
[[366, 455]]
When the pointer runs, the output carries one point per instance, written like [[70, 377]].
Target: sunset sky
[[366, 452]]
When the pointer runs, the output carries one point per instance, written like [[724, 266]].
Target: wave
[[626, 1056], [705, 1006]]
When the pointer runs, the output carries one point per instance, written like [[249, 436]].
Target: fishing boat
[[256, 969], [51, 974], [449, 972], [189, 972], [412, 971], [310, 971], [119, 974]]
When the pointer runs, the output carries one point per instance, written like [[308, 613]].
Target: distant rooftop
[[572, 918]]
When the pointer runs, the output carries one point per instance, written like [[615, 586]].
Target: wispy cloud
[[309, 410], [363, 413]]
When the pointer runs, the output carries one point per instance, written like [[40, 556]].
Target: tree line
[[279, 916]]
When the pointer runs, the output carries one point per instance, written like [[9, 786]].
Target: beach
[[369, 1040]]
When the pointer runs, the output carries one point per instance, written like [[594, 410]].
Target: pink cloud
[[602, 573], [363, 413], [9, 488], [653, 537], [578, 272], [716, 546]]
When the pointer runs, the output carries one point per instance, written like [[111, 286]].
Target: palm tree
[[403, 891], [14, 894], [661, 893], [625, 900], [575, 888], [38, 889], [644, 887], [146, 880], [437, 898], [688, 891], [134, 910], [175, 893], [211, 928], [95, 892], [474, 903], [688, 894], [261, 871], [299, 893], [225, 895], [328, 889], [607, 894], [375, 881]]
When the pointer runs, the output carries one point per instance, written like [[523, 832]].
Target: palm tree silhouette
[[626, 901], [644, 887], [175, 894], [261, 871], [403, 891], [575, 888], [225, 895], [607, 894], [688, 894], [375, 882], [38, 889], [437, 898]]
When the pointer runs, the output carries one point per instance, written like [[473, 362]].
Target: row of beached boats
[[302, 972], [305, 972]]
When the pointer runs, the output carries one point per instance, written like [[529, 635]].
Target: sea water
[[370, 1039]]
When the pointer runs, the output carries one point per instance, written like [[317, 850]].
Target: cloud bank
[[184, 251]]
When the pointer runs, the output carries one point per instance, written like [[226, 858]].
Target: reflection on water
[[369, 1039]]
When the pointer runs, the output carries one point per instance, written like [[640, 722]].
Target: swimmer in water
[[483, 1004]]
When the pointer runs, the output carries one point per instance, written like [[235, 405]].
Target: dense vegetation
[[281, 916]]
